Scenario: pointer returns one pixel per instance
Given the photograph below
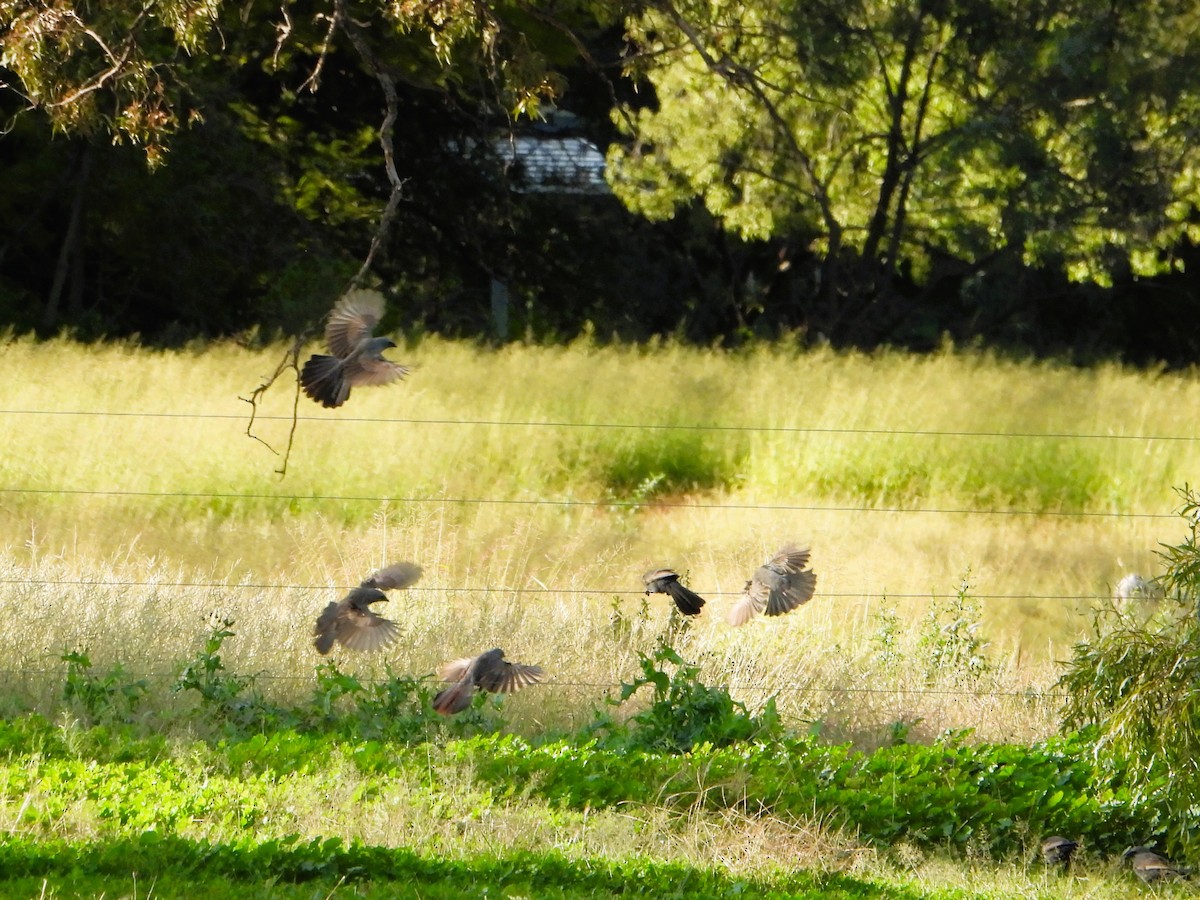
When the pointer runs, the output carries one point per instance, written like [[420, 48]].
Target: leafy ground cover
[[175, 867]]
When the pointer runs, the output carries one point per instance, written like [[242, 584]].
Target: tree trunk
[[69, 266]]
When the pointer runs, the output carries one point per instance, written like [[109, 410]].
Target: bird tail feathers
[[454, 699], [689, 602], [323, 381]]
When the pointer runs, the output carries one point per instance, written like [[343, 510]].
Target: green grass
[[99, 809], [178, 868]]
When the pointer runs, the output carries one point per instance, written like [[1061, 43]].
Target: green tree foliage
[[1139, 684], [262, 209], [127, 69], [899, 134]]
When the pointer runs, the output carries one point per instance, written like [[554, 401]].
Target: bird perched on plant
[[488, 671], [1150, 866], [1134, 587], [666, 581], [779, 585], [357, 358], [1057, 850], [350, 622]]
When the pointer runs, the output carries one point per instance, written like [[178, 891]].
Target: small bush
[[950, 644], [1138, 684], [111, 696], [684, 712]]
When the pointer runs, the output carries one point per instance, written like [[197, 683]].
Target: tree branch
[[291, 360], [392, 99]]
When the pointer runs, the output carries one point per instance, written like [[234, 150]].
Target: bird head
[[377, 345], [1134, 851], [367, 596]]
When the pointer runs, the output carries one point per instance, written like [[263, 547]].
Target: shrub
[[684, 712], [1139, 684]]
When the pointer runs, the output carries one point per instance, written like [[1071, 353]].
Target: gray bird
[[350, 622], [488, 671], [666, 581], [357, 358], [779, 585], [1057, 850], [1150, 866]]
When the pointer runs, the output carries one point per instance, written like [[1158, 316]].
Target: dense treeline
[[867, 173]]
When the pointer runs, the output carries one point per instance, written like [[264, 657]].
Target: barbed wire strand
[[267, 586], [546, 501], [645, 426], [1032, 694]]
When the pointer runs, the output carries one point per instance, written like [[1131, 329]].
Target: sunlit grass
[[871, 458], [440, 811]]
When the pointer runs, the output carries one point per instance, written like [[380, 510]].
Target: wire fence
[[592, 504], [628, 426], [552, 681], [1032, 695], [500, 589]]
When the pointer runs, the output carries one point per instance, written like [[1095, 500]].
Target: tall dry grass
[[130, 471]]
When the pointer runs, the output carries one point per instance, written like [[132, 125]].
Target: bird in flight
[[779, 585], [666, 581], [351, 622], [357, 357], [488, 671]]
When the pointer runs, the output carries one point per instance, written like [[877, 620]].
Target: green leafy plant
[[397, 709], [685, 712], [109, 696], [950, 641], [232, 699], [887, 652]]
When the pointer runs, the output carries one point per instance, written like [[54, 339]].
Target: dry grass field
[[534, 485]]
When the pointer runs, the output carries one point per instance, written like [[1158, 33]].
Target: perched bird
[[666, 581], [1149, 866], [488, 671], [779, 585], [350, 620], [357, 358], [1057, 850], [1134, 587]]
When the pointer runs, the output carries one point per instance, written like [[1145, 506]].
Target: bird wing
[[791, 558], [506, 677], [397, 575], [353, 318], [324, 631], [656, 574], [754, 600], [456, 669], [1152, 867], [363, 371], [361, 629]]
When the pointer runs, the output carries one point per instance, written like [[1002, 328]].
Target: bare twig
[[283, 31], [291, 360], [313, 81]]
